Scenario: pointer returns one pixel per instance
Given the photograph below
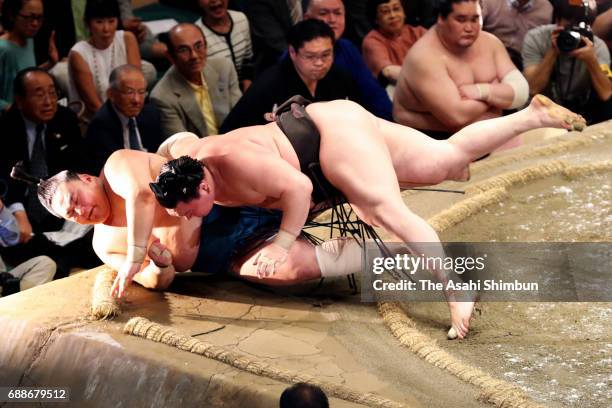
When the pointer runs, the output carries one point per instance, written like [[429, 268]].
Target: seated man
[[196, 94], [456, 75], [365, 158], [307, 71], [573, 74], [124, 121], [46, 138], [33, 272], [348, 57]]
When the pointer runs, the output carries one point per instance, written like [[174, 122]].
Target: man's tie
[[134, 144], [295, 10], [39, 169]]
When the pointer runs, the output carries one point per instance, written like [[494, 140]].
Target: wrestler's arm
[[109, 243], [432, 85], [498, 93], [127, 171]]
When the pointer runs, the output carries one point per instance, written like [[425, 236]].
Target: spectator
[[149, 46], [195, 95], [22, 19], [270, 21], [308, 71], [125, 121], [602, 27], [348, 57], [573, 78], [302, 395], [46, 137], [33, 272], [227, 35], [510, 20], [385, 47], [91, 62], [65, 19], [456, 75]]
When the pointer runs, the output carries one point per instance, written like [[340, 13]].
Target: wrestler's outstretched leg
[[355, 158], [421, 160]]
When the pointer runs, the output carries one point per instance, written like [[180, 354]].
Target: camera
[[570, 38]]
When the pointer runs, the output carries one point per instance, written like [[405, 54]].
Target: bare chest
[[476, 68]]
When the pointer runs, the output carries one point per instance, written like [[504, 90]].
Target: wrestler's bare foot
[[552, 115], [461, 312]]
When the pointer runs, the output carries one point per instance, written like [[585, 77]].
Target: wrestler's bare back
[[179, 234]]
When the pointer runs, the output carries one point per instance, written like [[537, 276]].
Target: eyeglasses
[[133, 92], [41, 95], [186, 50], [30, 18], [324, 56]]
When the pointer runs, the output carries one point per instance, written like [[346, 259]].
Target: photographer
[[568, 63]]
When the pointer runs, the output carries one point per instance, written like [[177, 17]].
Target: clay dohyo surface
[[559, 353]]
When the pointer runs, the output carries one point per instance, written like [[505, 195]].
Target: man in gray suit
[[195, 95]]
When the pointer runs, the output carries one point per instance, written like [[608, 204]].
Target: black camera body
[[570, 38]]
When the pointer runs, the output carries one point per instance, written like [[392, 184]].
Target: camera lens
[[568, 40]]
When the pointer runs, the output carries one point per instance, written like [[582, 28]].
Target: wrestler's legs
[[300, 266], [418, 159], [356, 160]]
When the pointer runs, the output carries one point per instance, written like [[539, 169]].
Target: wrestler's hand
[[470, 91], [124, 278], [159, 254], [268, 259]]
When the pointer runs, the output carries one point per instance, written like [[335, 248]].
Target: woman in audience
[[21, 19], [385, 47], [227, 35], [91, 62]]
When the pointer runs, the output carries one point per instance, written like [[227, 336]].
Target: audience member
[[602, 27], [149, 46], [308, 71], [386, 46], [303, 395], [33, 272], [510, 20], [91, 62], [456, 75], [270, 21], [348, 57], [196, 94], [46, 137], [125, 121], [571, 71], [22, 19], [227, 36], [65, 18]]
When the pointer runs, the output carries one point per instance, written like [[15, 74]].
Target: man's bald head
[[330, 11], [179, 31], [187, 50]]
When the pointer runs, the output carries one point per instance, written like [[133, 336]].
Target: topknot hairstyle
[[178, 180]]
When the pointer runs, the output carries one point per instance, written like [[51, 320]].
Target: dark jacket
[[105, 134], [279, 83], [63, 146]]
